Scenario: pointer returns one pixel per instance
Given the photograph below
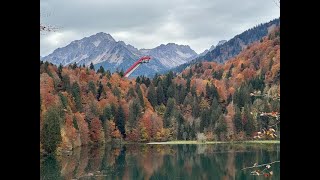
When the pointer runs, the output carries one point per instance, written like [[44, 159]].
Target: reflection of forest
[[160, 162]]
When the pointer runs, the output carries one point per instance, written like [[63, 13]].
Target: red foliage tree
[[96, 132]]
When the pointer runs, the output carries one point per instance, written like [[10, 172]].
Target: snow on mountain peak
[[221, 42], [212, 47], [103, 36], [103, 49]]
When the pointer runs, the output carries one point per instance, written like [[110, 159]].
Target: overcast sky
[[149, 23]]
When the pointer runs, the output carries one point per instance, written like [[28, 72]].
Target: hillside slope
[[234, 46]]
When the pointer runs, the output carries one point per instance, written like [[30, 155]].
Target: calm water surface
[[222, 161]]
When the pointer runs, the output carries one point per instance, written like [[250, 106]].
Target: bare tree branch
[[49, 28], [45, 27], [260, 165]]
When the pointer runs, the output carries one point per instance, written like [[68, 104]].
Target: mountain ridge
[[226, 50], [102, 49]]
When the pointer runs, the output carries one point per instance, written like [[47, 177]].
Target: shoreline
[[218, 142], [183, 142]]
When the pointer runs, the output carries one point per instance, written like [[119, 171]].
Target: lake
[[157, 162]]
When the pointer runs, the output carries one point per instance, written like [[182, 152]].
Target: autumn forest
[[208, 101]]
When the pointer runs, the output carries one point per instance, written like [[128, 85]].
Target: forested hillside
[[234, 46], [230, 101]]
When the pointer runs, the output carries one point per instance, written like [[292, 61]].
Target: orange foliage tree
[[96, 131]]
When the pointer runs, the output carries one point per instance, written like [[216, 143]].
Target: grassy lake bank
[[219, 142]]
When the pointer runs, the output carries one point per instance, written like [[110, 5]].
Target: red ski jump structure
[[144, 59]]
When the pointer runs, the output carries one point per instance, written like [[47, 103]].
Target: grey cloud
[[146, 24]]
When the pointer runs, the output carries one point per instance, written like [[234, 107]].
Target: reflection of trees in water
[[69, 163], [201, 148], [120, 164], [50, 169], [144, 160], [74, 165], [230, 165], [158, 162], [96, 155], [82, 163], [113, 161]]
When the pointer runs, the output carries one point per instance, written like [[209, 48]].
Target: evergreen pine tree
[[216, 112], [120, 121], [229, 99], [221, 125], [147, 82], [138, 79], [77, 96], [238, 120], [75, 123], [107, 114], [64, 100], [208, 91], [109, 85], [101, 70], [168, 113], [156, 79], [131, 92], [100, 91], [152, 95], [116, 92], [92, 88], [140, 96], [193, 91], [249, 125], [229, 73], [195, 108], [113, 110], [242, 96], [51, 136], [182, 94], [60, 71], [188, 85], [74, 66], [192, 133], [134, 114], [190, 73], [204, 120], [66, 83], [108, 74], [91, 66], [160, 94], [181, 128], [171, 91], [121, 73]]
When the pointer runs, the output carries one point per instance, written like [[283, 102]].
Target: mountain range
[[102, 49]]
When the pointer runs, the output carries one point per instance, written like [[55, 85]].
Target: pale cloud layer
[[147, 24]]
